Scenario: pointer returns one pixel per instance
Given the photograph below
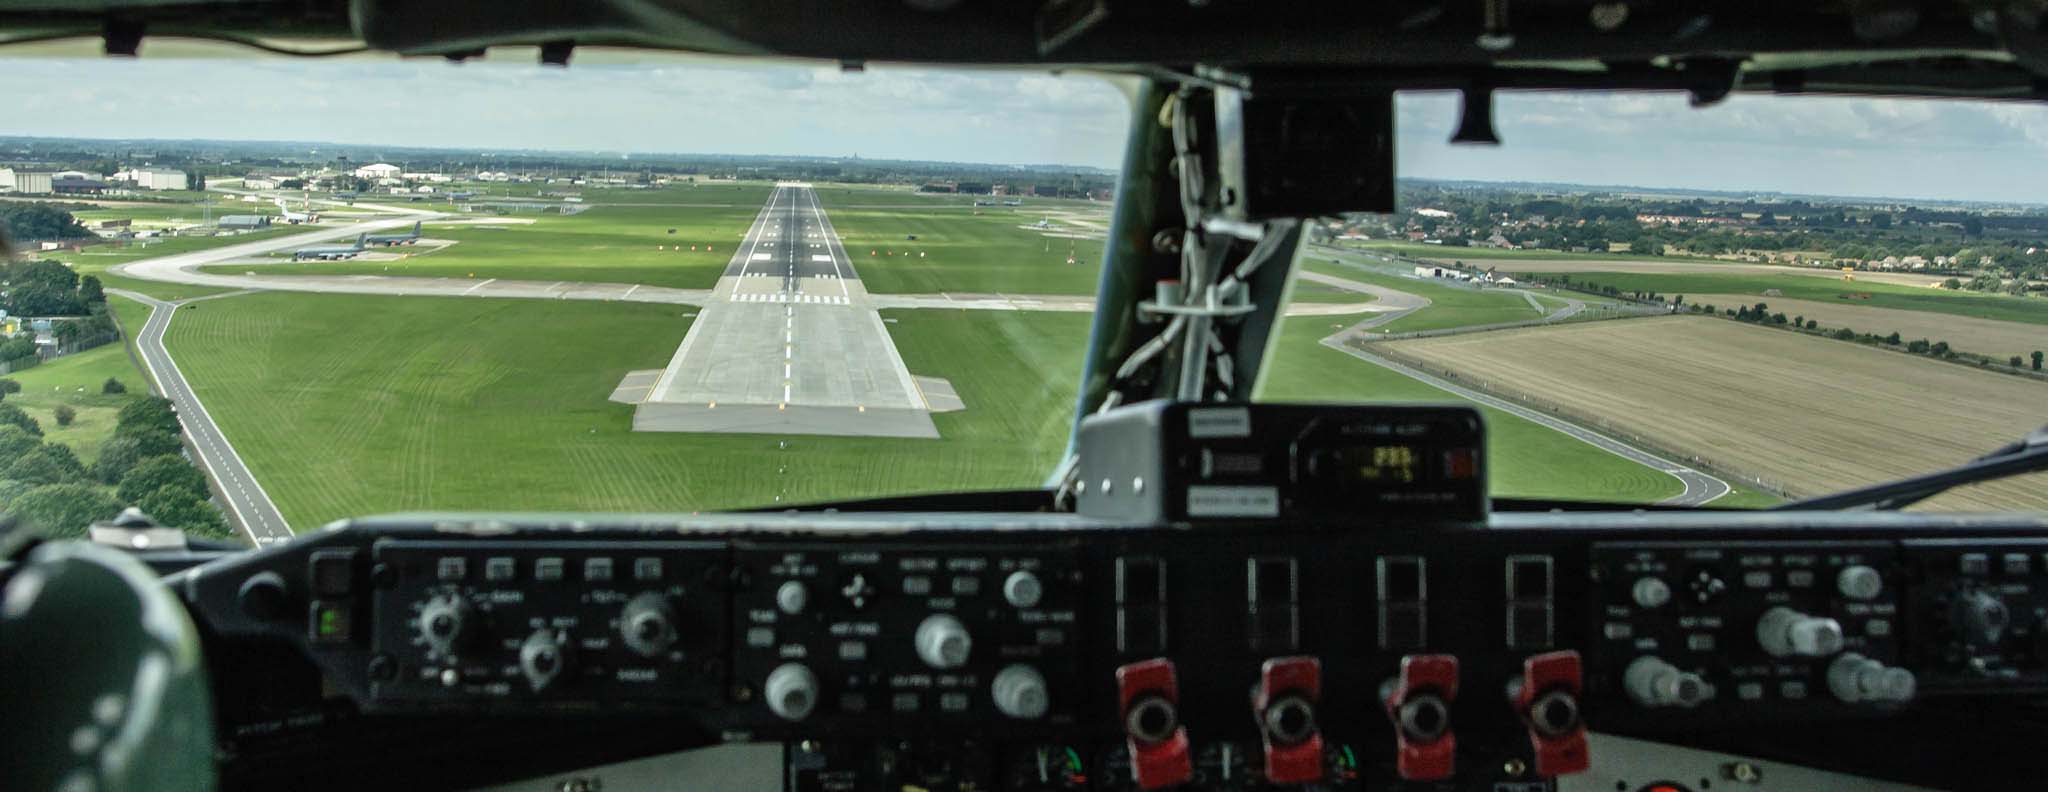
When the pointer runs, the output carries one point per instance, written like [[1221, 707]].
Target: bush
[[148, 412], [113, 386], [122, 453], [11, 415], [1845, 334], [1918, 346], [1892, 339], [174, 507], [65, 415], [50, 463], [8, 386], [14, 442], [2015, 361], [157, 472], [63, 510]]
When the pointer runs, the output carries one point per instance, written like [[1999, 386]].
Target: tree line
[[44, 485]]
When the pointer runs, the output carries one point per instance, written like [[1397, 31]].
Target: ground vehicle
[[1952, 581]]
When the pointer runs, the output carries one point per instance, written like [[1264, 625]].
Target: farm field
[[1577, 262], [1858, 293], [1763, 401], [1999, 339], [958, 250], [360, 405], [1524, 459]]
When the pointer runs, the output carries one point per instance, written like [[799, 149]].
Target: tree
[[2015, 361], [1813, 324], [40, 220], [90, 291], [176, 507], [113, 386], [65, 414], [10, 490], [119, 455], [9, 386], [11, 415], [38, 299], [1778, 318], [148, 412], [1973, 226], [1918, 346], [1844, 334], [2038, 354], [155, 472], [14, 441], [1799, 321], [49, 463], [1892, 339], [1952, 284], [1940, 349], [63, 510]]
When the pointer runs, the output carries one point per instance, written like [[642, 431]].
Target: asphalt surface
[[246, 501], [789, 341]]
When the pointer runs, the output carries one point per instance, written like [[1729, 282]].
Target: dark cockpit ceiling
[[1975, 49]]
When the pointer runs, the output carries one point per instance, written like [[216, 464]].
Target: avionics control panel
[[1051, 651]]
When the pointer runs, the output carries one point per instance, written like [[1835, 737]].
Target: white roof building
[[378, 171]]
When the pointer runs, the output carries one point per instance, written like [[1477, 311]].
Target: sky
[[1979, 151]]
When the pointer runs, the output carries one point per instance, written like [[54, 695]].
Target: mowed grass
[[1808, 415], [1449, 306], [606, 244], [1524, 459], [1866, 293], [348, 405], [981, 250], [97, 259]]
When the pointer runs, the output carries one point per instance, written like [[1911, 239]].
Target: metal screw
[[382, 668], [742, 693], [1514, 768], [1746, 772], [808, 746]]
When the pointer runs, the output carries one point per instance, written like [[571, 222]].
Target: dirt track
[[1810, 415]]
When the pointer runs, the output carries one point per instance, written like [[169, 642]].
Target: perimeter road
[[247, 502]]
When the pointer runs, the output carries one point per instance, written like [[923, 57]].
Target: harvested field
[[1982, 336], [1807, 414]]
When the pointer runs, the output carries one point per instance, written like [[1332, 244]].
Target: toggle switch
[[1284, 706], [1148, 695], [1419, 703], [1546, 697]]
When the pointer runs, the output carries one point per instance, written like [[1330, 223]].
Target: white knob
[[1655, 683], [1854, 678], [792, 691], [943, 642], [791, 597], [1651, 592], [1784, 632], [1022, 589], [1859, 582], [1019, 691]]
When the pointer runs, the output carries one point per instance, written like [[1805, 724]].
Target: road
[[247, 503]]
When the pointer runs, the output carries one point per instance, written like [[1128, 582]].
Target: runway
[[788, 342]]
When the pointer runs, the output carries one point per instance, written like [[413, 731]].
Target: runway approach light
[[711, 406], [920, 254]]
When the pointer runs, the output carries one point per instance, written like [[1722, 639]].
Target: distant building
[[153, 179], [30, 183], [77, 186], [244, 222], [1439, 213], [378, 171]]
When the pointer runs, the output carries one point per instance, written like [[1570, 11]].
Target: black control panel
[[1057, 652]]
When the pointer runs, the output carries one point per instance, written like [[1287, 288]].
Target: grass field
[[958, 250], [359, 405], [1865, 293], [75, 380], [607, 244], [1810, 414], [1449, 306], [1525, 459], [97, 259], [1983, 336], [1676, 266]]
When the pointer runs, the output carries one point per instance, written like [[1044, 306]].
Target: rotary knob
[[792, 691], [1655, 683], [942, 641], [1784, 632], [1019, 692], [648, 624], [1859, 582], [543, 656], [1980, 618], [1854, 678], [445, 623]]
